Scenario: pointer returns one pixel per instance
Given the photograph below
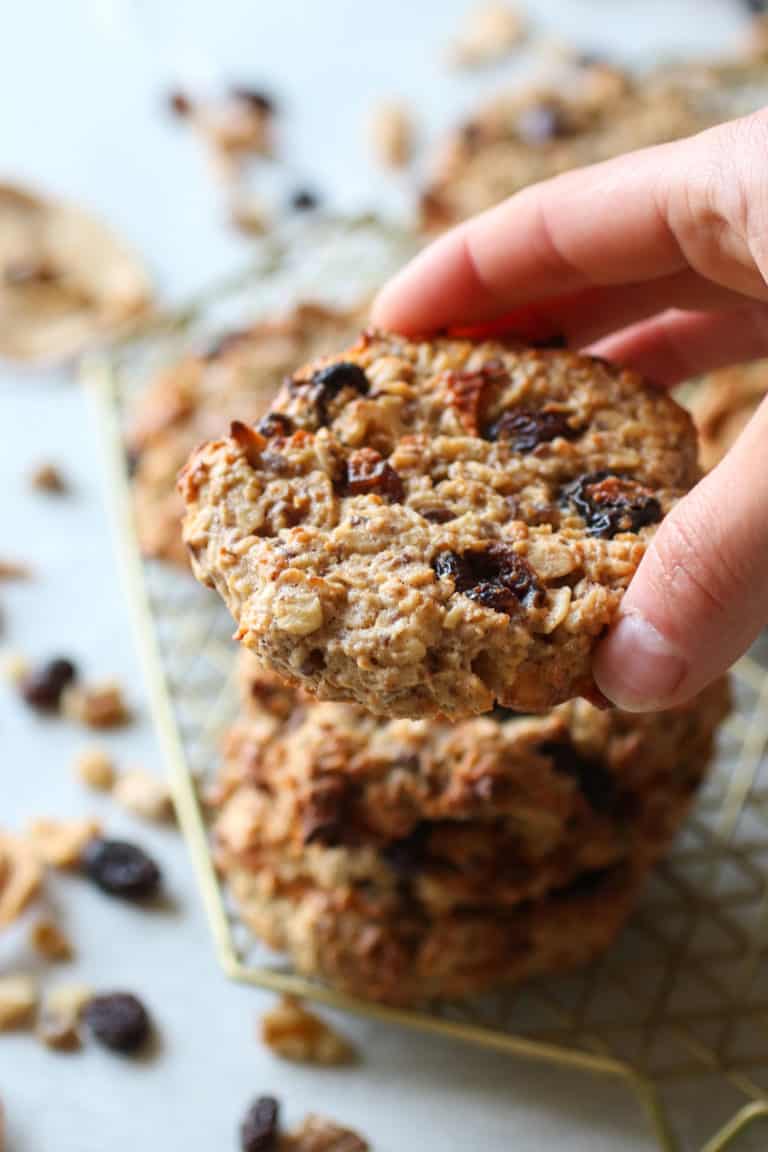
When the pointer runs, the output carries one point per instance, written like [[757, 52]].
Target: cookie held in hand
[[430, 528]]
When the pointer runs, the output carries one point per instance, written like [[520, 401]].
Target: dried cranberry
[[275, 424], [121, 869], [594, 780], [256, 98], [495, 576], [44, 688], [304, 200], [259, 1129], [408, 855], [325, 819], [612, 503], [118, 1020], [325, 384], [541, 122], [526, 428], [179, 103], [367, 471]]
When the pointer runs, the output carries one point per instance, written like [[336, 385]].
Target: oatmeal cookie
[[194, 400], [722, 405], [430, 528]]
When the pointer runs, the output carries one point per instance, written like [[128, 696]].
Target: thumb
[[700, 595]]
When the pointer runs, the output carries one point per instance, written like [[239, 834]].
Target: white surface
[[82, 87]]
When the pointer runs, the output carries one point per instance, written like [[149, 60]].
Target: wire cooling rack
[[678, 1010]]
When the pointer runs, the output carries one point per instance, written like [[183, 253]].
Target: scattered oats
[[95, 706], [50, 941], [392, 135], [65, 278], [492, 31], [144, 795], [15, 666], [94, 767], [60, 843], [18, 1002], [295, 1034], [14, 570], [48, 478], [21, 877], [317, 1134], [63, 1007]]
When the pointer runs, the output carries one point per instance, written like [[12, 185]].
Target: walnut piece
[[96, 705], [392, 135], [18, 1002], [144, 795], [59, 1023], [60, 843], [95, 768], [21, 877], [492, 32], [48, 478], [50, 941], [295, 1034], [317, 1134], [14, 570]]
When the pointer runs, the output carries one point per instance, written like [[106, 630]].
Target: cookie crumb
[[492, 31], [96, 705], [295, 1034], [18, 1002], [61, 843], [21, 877], [50, 941], [48, 478], [62, 1012], [95, 768], [143, 795], [14, 570], [392, 135]]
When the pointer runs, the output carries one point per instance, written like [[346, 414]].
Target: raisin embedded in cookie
[[432, 528]]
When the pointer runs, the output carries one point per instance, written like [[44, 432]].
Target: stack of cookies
[[421, 543]]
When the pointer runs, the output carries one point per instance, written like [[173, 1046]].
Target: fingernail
[[637, 667]]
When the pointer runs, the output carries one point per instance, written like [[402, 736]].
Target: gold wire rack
[[677, 1011]]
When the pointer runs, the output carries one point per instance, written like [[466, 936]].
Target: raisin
[[541, 122], [121, 869], [467, 392], [256, 98], [495, 576], [304, 200], [44, 688], [367, 471], [248, 440], [612, 503], [179, 103], [118, 1020], [526, 428], [594, 780], [326, 384], [325, 819], [408, 854], [259, 1129], [586, 883], [437, 515], [275, 424]]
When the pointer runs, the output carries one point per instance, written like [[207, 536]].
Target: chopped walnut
[[48, 478], [492, 32], [143, 795], [236, 127], [21, 877], [95, 768], [18, 1002], [59, 1023], [317, 1134], [96, 706], [392, 135], [295, 1034], [14, 570], [50, 941], [60, 843]]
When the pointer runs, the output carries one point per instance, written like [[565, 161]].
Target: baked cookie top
[[195, 398], [434, 527]]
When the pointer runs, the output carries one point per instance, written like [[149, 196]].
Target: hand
[[657, 260]]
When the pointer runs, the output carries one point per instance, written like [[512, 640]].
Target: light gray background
[[82, 85]]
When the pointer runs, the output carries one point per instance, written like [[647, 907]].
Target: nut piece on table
[[295, 1034], [392, 135], [492, 32], [317, 1134], [59, 1023], [94, 767], [236, 127], [50, 941], [65, 278], [143, 795], [21, 877], [60, 843], [18, 1002], [96, 706], [14, 570], [48, 478]]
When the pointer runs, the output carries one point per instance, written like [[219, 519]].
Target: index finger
[[628, 220]]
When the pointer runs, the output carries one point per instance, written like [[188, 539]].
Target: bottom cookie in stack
[[403, 861]]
